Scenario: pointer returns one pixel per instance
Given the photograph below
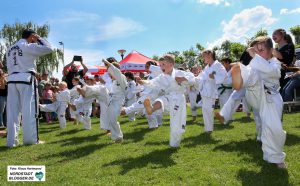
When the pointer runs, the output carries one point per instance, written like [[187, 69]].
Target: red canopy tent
[[93, 69], [134, 62]]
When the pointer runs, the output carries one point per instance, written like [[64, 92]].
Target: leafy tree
[[296, 32], [237, 50], [190, 57], [261, 32], [178, 57], [10, 34]]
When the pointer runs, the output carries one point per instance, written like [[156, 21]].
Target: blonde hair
[[168, 58], [63, 83], [265, 40]]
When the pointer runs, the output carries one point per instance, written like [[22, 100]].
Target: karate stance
[[211, 77], [60, 105], [174, 83], [261, 80]]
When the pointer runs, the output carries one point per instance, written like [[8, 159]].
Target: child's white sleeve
[[221, 74], [272, 67], [114, 71]]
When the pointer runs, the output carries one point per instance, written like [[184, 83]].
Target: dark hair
[[111, 59], [129, 75], [213, 54], [76, 78], [116, 64], [226, 60], [151, 63], [27, 33]]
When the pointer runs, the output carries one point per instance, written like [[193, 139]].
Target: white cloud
[[287, 11], [117, 27], [244, 23], [214, 2], [69, 17]]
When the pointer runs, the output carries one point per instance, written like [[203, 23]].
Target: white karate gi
[[130, 98], [73, 95], [209, 91], [232, 104], [100, 92], [155, 119], [225, 90], [117, 97], [261, 80], [22, 90], [174, 101], [59, 106]]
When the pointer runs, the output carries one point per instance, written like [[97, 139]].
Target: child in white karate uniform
[[193, 92], [261, 80], [60, 105], [225, 89], [174, 83], [73, 96], [130, 96], [117, 98], [211, 77]]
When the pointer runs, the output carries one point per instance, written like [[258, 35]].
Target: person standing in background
[[284, 52], [3, 96]]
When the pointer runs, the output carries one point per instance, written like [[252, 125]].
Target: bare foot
[[123, 111], [41, 142], [194, 118], [81, 91], [281, 165], [73, 107], [119, 140], [148, 106], [220, 118]]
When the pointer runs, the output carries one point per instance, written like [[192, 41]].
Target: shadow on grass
[[73, 131], [202, 139], [79, 152], [78, 140], [248, 147], [158, 143], [219, 126], [160, 158], [47, 128], [268, 175], [244, 119], [137, 134], [292, 139]]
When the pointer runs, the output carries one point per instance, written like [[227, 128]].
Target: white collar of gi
[[173, 73]]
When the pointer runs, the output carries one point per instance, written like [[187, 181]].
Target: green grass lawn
[[230, 156]]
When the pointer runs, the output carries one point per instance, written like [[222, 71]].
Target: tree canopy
[[9, 34]]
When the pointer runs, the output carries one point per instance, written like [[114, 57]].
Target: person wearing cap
[[22, 87]]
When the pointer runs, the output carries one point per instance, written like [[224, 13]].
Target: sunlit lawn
[[230, 156]]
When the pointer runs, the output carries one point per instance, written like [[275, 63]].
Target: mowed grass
[[230, 156]]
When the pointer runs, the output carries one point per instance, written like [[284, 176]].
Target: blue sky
[[98, 28]]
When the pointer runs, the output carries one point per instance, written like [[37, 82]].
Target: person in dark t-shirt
[[73, 72], [285, 52]]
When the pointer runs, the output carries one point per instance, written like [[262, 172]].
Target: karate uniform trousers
[[60, 108], [269, 106], [22, 98]]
